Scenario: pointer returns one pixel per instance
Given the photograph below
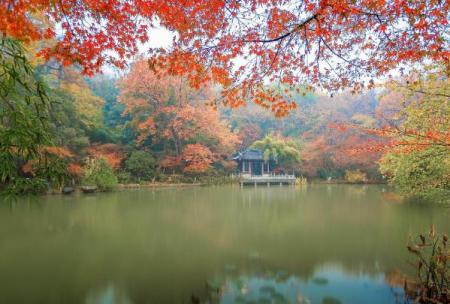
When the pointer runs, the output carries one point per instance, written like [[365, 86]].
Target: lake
[[318, 244]]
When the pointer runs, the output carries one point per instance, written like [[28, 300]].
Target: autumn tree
[[327, 43], [170, 117], [249, 133], [197, 158], [417, 155], [76, 113], [113, 154]]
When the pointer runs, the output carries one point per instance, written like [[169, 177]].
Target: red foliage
[[60, 152], [170, 162], [75, 169], [27, 168], [342, 148], [248, 134], [389, 139], [229, 165], [328, 43], [167, 111], [112, 153], [197, 158]]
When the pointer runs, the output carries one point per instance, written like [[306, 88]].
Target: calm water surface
[[321, 244]]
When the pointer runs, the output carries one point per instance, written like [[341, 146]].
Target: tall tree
[[25, 136], [284, 151], [170, 117], [417, 156]]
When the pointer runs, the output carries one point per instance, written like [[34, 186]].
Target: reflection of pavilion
[[255, 170]]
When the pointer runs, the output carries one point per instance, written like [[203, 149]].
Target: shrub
[[124, 177], [141, 165], [25, 185], [422, 173], [98, 173], [355, 177], [433, 268]]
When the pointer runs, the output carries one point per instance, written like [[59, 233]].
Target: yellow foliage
[[355, 176]]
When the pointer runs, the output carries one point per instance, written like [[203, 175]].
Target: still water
[[319, 244]]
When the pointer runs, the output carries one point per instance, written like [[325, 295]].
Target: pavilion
[[252, 162]]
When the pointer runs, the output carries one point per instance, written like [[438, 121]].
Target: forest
[[142, 127], [180, 115]]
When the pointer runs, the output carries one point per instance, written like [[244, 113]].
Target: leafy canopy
[[285, 152], [326, 43], [25, 137], [141, 165]]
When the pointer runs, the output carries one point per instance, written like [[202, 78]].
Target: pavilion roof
[[250, 154]]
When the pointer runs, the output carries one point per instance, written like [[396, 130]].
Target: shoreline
[[159, 185], [162, 185]]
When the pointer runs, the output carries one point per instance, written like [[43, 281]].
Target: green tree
[[98, 173], [423, 173], [284, 151], [141, 165], [25, 130], [419, 162]]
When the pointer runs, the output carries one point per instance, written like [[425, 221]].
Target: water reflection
[[164, 246], [108, 295], [328, 285]]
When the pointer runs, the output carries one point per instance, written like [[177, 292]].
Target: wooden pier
[[267, 180]]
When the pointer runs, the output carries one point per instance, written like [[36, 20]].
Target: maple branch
[[299, 26], [336, 54]]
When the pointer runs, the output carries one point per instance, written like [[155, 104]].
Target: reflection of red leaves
[[391, 196]]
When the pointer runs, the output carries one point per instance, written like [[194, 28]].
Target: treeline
[[60, 128], [324, 150]]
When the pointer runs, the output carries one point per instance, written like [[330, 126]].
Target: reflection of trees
[[326, 285], [165, 244]]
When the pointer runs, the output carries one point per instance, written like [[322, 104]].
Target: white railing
[[268, 176]]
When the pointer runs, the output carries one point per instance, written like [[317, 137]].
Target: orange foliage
[[27, 168], [197, 158], [75, 169], [166, 110], [341, 148], [112, 153], [390, 139], [170, 161], [229, 165], [60, 152], [328, 43], [248, 134]]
